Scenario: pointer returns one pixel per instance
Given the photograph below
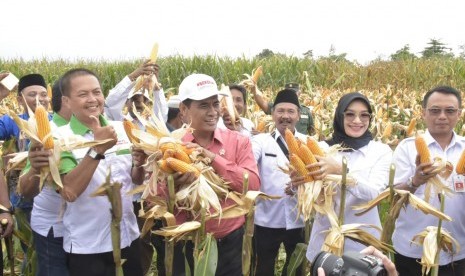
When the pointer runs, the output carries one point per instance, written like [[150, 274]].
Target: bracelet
[[410, 183]]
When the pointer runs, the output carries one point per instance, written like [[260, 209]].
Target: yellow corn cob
[[291, 142], [261, 125], [154, 131], [128, 127], [307, 156], [460, 167], [163, 165], [313, 146], [299, 166], [154, 53], [187, 150], [181, 155], [181, 166], [411, 127], [422, 149], [387, 131], [258, 72], [43, 127], [168, 153], [168, 145]]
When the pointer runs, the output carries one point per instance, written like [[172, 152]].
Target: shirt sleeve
[[160, 106], [4, 127], [404, 162], [233, 171], [116, 99], [67, 162], [370, 185]]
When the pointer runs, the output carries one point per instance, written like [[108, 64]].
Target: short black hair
[[172, 113], [187, 102], [242, 89], [56, 96], [443, 90], [65, 86]]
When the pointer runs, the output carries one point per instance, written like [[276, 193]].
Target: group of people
[[72, 229]]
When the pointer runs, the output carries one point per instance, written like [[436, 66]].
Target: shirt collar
[[189, 137], [430, 140], [80, 129], [58, 120]]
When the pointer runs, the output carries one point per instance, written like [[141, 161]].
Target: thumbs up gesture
[[102, 133]]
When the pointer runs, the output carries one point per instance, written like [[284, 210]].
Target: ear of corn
[[168, 153], [422, 149], [43, 127], [411, 127], [312, 144], [163, 165], [460, 167], [291, 142], [299, 166], [306, 155], [154, 53], [49, 91], [128, 127], [258, 72], [181, 166], [181, 155]]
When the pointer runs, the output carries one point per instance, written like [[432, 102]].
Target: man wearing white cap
[[174, 115], [231, 155], [123, 93]]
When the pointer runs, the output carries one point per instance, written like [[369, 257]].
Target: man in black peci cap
[[304, 125]]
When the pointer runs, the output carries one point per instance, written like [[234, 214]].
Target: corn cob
[[387, 131], [306, 155], [313, 146], [168, 153], [49, 91], [163, 165], [261, 125], [291, 142], [168, 145], [181, 166], [258, 72], [460, 167], [411, 127], [154, 53], [187, 150], [181, 155], [128, 127], [422, 149], [299, 166], [43, 127]]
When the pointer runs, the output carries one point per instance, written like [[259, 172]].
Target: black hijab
[[339, 134]]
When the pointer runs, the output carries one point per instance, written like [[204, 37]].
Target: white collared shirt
[[276, 213], [87, 220], [369, 165], [411, 222], [118, 96]]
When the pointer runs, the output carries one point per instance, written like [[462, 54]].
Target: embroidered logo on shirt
[[222, 152]]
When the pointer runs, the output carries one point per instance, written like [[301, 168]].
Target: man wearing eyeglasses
[[441, 112]]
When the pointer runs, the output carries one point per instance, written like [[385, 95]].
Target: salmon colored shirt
[[233, 156]]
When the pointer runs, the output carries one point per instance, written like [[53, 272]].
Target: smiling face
[[239, 101], [29, 95], [356, 119], [285, 115], [441, 114], [85, 98], [203, 114]]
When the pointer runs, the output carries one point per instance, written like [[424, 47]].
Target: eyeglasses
[[438, 111], [363, 116]]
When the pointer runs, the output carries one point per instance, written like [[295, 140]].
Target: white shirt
[[246, 129], [118, 96], [276, 213], [411, 221], [87, 220], [369, 165], [48, 208]]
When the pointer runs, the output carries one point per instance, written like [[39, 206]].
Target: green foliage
[[436, 48], [207, 260], [296, 258], [403, 54]]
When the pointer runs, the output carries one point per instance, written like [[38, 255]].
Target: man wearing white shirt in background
[[441, 112], [174, 120], [276, 221], [246, 126]]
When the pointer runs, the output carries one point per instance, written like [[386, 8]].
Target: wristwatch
[[410, 183], [95, 155], [10, 210]]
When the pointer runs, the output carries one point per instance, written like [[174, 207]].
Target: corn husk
[[177, 232]]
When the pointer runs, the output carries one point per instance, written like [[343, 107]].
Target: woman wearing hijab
[[368, 162]]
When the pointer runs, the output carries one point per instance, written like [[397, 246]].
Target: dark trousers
[[229, 255], [146, 248], [103, 264], [266, 247], [412, 267], [51, 258]]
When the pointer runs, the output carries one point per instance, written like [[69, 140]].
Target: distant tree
[[462, 51], [403, 54], [265, 53], [336, 57], [436, 48], [308, 54]]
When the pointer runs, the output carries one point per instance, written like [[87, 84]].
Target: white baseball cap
[[197, 87], [139, 92], [174, 101]]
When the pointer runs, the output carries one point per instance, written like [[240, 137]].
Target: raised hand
[[146, 68], [102, 133]]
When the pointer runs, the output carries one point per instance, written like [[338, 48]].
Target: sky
[[122, 30]]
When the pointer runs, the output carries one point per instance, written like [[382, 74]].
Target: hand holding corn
[[138, 157], [102, 133], [6, 225], [423, 172], [326, 165], [146, 68], [38, 156]]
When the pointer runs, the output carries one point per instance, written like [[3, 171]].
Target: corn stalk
[[435, 269], [169, 244], [248, 233], [9, 248], [343, 191]]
